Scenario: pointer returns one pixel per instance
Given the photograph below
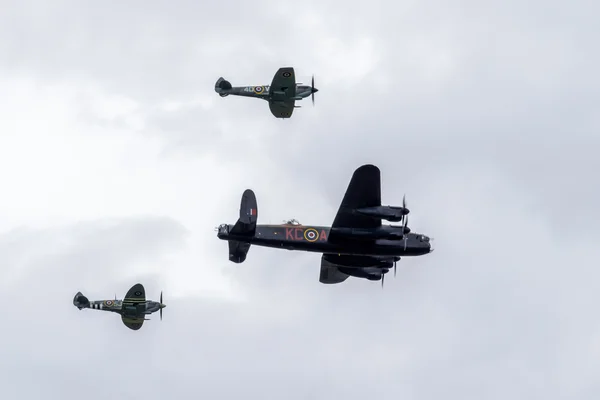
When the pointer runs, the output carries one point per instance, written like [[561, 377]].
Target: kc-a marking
[[305, 234]]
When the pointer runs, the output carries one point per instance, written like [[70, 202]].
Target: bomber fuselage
[[316, 239]]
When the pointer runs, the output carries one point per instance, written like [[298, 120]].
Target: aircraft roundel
[[138, 293], [258, 89], [287, 74], [311, 235], [108, 303]]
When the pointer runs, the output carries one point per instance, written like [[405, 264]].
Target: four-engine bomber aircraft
[[133, 308], [356, 244], [281, 95]]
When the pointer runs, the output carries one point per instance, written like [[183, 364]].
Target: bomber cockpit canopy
[[423, 238], [292, 221], [223, 228]]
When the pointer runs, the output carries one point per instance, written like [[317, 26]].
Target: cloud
[[117, 160]]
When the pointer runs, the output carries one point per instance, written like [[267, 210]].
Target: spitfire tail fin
[[222, 86], [245, 226], [80, 301]]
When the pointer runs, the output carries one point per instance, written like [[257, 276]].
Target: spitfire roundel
[[258, 89], [287, 74], [138, 293], [311, 235], [108, 303]]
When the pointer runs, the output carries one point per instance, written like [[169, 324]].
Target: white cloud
[[117, 160]]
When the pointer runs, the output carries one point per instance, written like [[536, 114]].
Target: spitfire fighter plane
[[281, 95], [133, 308], [356, 244]]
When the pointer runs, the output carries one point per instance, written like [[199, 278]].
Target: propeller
[[403, 230], [382, 278], [313, 90], [161, 303], [394, 268], [405, 222]]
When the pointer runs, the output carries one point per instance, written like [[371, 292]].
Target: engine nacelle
[[389, 213], [384, 232], [370, 273]]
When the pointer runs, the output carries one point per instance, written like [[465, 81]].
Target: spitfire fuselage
[[316, 239], [263, 92], [146, 307]]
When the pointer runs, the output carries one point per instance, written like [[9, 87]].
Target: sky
[[118, 160]]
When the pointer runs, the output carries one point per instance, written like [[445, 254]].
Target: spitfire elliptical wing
[[282, 93], [132, 323], [137, 294]]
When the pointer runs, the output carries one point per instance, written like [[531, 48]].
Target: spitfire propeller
[[313, 90], [161, 305]]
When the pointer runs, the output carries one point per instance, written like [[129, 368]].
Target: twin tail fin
[[245, 226]]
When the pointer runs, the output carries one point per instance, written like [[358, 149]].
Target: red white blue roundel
[[258, 89], [108, 303], [311, 234]]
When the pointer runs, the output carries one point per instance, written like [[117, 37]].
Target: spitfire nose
[[163, 305]]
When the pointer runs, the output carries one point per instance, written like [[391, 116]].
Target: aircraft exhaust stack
[[391, 214], [391, 233]]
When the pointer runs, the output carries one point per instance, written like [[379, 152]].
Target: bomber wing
[[334, 268], [364, 190], [330, 272]]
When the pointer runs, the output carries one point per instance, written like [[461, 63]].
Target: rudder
[[222, 86], [246, 224], [80, 301]]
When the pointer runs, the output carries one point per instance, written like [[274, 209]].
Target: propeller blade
[[161, 305], [382, 279], [312, 91], [403, 229], [394, 269]]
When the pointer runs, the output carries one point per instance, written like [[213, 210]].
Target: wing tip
[[368, 168]]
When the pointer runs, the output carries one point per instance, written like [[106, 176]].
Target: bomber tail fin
[[245, 226], [222, 86], [80, 301]]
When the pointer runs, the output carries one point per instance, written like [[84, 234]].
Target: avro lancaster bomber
[[356, 244]]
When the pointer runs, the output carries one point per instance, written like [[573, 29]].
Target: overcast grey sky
[[117, 160]]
